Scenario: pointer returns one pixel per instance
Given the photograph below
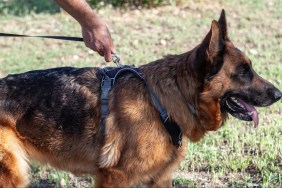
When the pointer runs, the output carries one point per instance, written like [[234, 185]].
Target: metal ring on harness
[[116, 60]]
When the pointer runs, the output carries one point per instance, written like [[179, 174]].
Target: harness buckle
[[179, 143], [116, 60]]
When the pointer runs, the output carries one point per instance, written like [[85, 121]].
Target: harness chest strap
[[109, 77]]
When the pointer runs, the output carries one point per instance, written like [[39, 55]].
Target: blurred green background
[[24, 7], [237, 155]]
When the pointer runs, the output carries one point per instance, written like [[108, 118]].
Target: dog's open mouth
[[241, 109]]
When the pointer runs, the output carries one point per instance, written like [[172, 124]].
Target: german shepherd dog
[[53, 116]]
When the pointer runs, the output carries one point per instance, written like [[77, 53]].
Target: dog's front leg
[[160, 183], [112, 178]]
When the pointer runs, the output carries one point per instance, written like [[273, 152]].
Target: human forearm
[[81, 11], [95, 32]]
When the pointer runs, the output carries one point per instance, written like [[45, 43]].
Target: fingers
[[99, 40], [108, 51], [104, 51], [108, 55], [113, 51]]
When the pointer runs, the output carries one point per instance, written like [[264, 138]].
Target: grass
[[235, 156]]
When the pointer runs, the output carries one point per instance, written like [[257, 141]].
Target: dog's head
[[229, 78]]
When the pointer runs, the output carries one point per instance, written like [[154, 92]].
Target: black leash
[[115, 57], [78, 39]]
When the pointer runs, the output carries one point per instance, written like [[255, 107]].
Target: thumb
[[108, 55], [113, 50]]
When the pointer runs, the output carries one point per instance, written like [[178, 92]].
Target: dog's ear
[[223, 25], [215, 41], [210, 51]]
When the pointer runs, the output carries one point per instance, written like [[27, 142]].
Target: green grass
[[235, 156]]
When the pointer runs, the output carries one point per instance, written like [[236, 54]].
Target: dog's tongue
[[252, 111]]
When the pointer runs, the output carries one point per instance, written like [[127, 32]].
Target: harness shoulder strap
[[106, 86], [110, 75], [171, 127]]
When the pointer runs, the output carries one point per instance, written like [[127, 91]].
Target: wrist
[[90, 20]]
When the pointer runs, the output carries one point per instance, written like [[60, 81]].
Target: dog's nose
[[275, 93]]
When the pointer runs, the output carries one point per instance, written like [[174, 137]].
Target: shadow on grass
[[42, 183]]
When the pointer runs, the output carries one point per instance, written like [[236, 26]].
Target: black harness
[[110, 75]]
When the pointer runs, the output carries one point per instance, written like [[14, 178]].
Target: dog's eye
[[244, 69]]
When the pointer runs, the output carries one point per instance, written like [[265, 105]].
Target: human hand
[[97, 37]]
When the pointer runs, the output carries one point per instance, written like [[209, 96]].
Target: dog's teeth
[[234, 99], [250, 113], [229, 106], [237, 102], [240, 105]]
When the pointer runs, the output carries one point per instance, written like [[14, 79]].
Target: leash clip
[[116, 60]]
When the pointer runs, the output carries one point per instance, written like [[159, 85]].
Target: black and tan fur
[[53, 116]]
